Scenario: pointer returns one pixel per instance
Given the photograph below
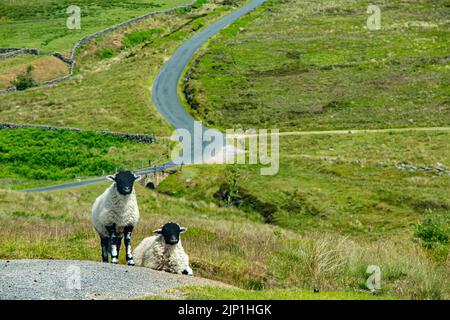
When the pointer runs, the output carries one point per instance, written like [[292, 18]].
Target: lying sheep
[[164, 251], [114, 215]]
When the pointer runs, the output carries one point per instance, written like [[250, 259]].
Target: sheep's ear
[[183, 229], [157, 231], [137, 177], [111, 178]]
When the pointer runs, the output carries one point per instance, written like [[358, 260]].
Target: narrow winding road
[[165, 93]]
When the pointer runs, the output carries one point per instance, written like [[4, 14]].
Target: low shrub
[[24, 80], [134, 38], [199, 3], [106, 53], [433, 232], [51, 155]]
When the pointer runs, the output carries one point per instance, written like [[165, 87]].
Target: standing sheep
[[114, 215], [164, 251]]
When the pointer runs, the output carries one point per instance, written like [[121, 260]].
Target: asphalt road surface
[[86, 182]]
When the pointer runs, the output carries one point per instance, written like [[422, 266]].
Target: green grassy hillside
[[313, 65], [112, 88], [42, 23], [346, 184]]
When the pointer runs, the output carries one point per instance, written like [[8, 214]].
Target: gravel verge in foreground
[[58, 279]]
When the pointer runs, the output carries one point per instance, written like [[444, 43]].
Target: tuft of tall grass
[[322, 261]]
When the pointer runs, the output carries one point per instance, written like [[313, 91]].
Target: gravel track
[[51, 280]]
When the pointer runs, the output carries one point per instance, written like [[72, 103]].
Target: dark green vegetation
[[106, 54], [313, 65], [133, 38], [434, 234], [36, 154], [197, 4]]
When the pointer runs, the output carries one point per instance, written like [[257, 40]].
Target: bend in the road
[[165, 87]]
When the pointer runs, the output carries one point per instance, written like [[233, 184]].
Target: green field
[[337, 210], [37, 156], [313, 65], [42, 23]]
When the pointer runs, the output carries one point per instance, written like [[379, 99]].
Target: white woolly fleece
[[113, 207], [154, 253]]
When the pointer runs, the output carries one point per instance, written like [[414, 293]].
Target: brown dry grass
[[45, 68]]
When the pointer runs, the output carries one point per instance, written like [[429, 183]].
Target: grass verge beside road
[[211, 293]]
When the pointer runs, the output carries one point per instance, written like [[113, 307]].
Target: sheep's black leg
[[127, 240], [105, 248], [115, 247], [118, 244], [115, 243]]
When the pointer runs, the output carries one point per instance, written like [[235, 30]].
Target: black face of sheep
[[124, 181], [171, 232]]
